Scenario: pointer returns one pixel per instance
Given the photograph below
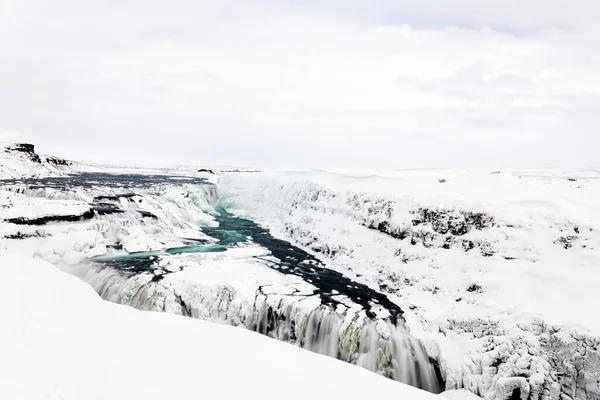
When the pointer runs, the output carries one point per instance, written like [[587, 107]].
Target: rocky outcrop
[[20, 161], [439, 228], [27, 149], [89, 214], [58, 161]]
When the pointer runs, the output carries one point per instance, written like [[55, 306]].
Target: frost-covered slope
[[60, 341], [499, 268], [20, 160]]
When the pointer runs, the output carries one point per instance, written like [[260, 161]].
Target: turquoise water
[[205, 248]]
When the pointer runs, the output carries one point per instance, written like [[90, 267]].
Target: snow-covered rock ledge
[[59, 340], [19, 160]]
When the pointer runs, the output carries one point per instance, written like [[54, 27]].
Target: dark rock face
[[58, 161], [438, 228], [566, 241], [115, 197], [474, 288], [516, 394], [23, 147], [27, 149], [20, 235], [209, 171], [89, 214], [450, 221]]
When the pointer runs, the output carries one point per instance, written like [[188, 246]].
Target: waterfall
[[150, 217], [378, 345]]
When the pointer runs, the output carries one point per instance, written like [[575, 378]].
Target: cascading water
[[375, 344], [350, 322]]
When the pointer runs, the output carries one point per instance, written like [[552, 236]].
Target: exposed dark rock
[[448, 242], [110, 208], [116, 246], [486, 249], [468, 245], [516, 394], [147, 214], [445, 224], [185, 309], [23, 147], [206, 170], [479, 220], [457, 223], [566, 241], [58, 161], [384, 227], [106, 208], [20, 235], [89, 214], [474, 288], [27, 149], [114, 197]]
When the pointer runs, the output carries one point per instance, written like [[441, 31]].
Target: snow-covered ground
[[60, 341], [495, 270]]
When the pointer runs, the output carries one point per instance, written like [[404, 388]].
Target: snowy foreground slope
[[59, 340], [488, 276]]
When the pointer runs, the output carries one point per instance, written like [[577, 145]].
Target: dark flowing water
[[293, 260], [96, 179]]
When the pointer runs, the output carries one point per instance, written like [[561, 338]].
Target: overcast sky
[[307, 83]]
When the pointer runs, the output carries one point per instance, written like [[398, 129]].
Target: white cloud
[[305, 84]]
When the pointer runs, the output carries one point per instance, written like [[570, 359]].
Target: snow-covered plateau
[[465, 280]]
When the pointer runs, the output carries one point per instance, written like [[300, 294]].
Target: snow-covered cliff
[[498, 268]]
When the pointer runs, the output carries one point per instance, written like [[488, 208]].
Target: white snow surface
[[59, 340], [460, 394]]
